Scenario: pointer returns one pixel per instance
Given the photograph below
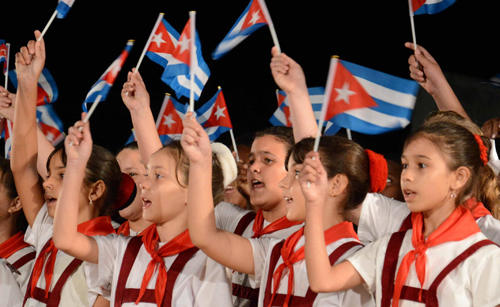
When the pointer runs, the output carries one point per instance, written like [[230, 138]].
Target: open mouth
[[256, 184], [146, 203], [288, 199], [49, 200], [408, 195], [229, 189]]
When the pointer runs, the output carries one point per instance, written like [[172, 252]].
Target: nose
[[285, 183], [144, 184], [255, 167], [47, 184], [406, 175]]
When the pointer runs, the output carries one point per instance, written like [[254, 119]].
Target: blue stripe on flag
[[156, 58], [434, 7], [351, 122], [390, 109], [62, 9]]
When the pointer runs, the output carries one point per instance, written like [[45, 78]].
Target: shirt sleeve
[[365, 262], [9, 289], [490, 227], [485, 278], [227, 216], [42, 225], [261, 248], [379, 216], [215, 289]]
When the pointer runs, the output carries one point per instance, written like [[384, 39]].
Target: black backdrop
[[371, 33]]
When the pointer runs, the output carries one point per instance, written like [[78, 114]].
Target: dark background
[[463, 39]]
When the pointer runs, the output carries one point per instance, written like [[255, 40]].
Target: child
[[258, 256], [10, 291], [57, 278], [160, 267], [444, 259], [129, 159], [13, 224]]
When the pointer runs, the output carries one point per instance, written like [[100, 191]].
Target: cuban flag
[[50, 123], [47, 88], [103, 85], [63, 8], [366, 100], [6, 133], [253, 17], [177, 73], [214, 117], [4, 56], [169, 121], [420, 7], [163, 43]]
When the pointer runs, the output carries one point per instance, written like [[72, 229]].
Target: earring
[[452, 195], [91, 202]]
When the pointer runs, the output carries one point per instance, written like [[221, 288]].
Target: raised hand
[[7, 100], [134, 92], [425, 69], [287, 74], [313, 180], [195, 141], [30, 60], [78, 143], [490, 127]]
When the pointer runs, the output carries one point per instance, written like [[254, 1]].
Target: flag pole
[[158, 20], [47, 25], [349, 136], [414, 36], [89, 113], [234, 145], [7, 68], [265, 11], [192, 18]]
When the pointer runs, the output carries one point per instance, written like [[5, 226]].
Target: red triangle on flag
[[182, 52], [170, 122], [346, 93], [416, 4], [254, 15], [161, 41], [50, 132], [286, 111], [281, 98], [219, 116]]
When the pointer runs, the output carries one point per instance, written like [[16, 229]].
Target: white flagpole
[[158, 20], [328, 91], [234, 145], [412, 26], [48, 25], [7, 68], [89, 113], [265, 11], [349, 136], [192, 18]]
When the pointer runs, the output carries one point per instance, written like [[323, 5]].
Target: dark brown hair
[[102, 165], [460, 148], [339, 156], [174, 148], [281, 133], [7, 181]]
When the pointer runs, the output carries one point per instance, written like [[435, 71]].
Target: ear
[[96, 190], [15, 205], [462, 175], [338, 185]]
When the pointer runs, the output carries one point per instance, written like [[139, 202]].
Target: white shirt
[[25, 270], [381, 215], [473, 283], [262, 250], [10, 292], [202, 282], [75, 291]]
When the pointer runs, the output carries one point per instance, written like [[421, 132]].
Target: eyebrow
[[418, 156], [261, 152]]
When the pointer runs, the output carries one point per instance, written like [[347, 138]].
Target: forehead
[[162, 158], [55, 161], [268, 143], [129, 156], [421, 147]]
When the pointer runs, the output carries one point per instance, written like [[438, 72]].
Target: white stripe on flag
[[388, 95], [379, 119]]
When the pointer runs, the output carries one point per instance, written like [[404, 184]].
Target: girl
[[13, 224], [130, 162], [257, 257], [57, 278], [160, 267], [444, 259]]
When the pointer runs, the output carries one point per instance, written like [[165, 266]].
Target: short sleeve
[[379, 216], [9, 289], [365, 262], [41, 230], [261, 247], [227, 216], [490, 227]]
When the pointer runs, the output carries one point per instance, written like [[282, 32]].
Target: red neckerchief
[[334, 233], [477, 209], [12, 245], [279, 224], [98, 226], [150, 238], [458, 226], [124, 229]]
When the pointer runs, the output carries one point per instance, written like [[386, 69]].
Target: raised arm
[[289, 76], [29, 64], [322, 276], [65, 235], [136, 98], [425, 70], [228, 249]]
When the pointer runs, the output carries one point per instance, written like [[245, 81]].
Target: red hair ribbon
[[378, 171], [482, 149]]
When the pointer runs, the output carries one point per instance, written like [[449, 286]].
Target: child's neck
[[435, 217], [331, 214], [275, 213], [138, 225], [7, 229], [171, 229]]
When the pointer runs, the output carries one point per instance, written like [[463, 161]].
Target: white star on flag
[[157, 38], [50, 136], [219, 112], [184, 43], [168, 121], [255, 17], [344, 93]]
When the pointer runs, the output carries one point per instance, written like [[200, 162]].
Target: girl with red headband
[[444, 259], [161, 266], [278, 266]]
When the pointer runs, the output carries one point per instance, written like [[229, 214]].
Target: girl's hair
[[460, 148], [7, 181], [281, 133], [453, 117], [175, 150], [102, 165], [132, 145], [339, 156]]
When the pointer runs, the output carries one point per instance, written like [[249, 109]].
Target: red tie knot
[[156, 257]]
